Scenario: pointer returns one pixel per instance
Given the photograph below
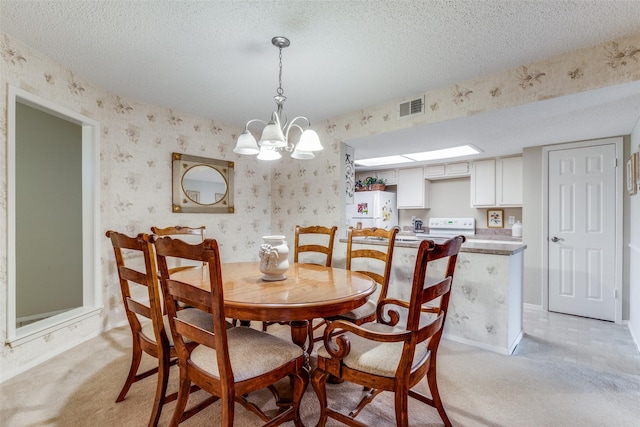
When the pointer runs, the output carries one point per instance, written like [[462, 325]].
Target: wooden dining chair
[[231, 363], [390, 354], [313, 245], [320, 241], [136, 267], [375, 263]]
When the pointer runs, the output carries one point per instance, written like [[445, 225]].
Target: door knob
[[556, 239]]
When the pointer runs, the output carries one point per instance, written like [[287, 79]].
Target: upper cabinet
[[413, 189], [497, 182], [390, 176], [449, 170], [509, 181]]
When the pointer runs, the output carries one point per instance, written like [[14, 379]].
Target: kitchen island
[[485, 309]]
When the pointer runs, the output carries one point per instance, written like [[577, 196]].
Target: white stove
[[447, 227]]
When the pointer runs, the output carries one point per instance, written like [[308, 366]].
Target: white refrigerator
[[373, 209]]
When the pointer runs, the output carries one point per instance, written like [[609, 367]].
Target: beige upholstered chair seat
[[191, 315], [251, 353], [376, 357], [361, 312]]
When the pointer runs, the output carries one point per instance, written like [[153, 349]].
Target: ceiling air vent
[[411, 107]]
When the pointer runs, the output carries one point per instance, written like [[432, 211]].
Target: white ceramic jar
[[274, 258], [516, 230]]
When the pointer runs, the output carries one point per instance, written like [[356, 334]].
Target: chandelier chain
[[280, 91]]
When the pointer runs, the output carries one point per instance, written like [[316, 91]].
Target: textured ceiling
[[215, 59]]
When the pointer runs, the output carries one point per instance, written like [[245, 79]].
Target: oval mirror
[[201, 185], [204, 185]]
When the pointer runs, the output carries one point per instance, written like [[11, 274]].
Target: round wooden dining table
[[309, 292]]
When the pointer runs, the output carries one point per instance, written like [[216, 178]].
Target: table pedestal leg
[[299, 333]]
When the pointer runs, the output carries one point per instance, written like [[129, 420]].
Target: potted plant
[[375, 184], [379, 185], [359, 186]]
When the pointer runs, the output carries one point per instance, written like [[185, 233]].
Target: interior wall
[[633, 269], [48, 213], [136, 144], [532, 225]]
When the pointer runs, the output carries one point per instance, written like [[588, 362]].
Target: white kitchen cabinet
[[448, 170], [434, 171], [390, 176], [496, 182], [509, 181], [413, 189], [457, 169], [483, 183]]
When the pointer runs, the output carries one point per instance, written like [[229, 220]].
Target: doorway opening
[[53, 274]]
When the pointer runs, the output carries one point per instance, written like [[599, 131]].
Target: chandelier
[[275, 134]]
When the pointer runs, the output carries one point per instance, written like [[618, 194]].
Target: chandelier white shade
[[275, 134]]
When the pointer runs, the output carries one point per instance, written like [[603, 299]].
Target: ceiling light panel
[[445, 153], [380, 161]]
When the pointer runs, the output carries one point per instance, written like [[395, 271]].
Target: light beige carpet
[[479, 388]]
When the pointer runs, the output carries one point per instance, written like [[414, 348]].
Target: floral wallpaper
[[137, 141]]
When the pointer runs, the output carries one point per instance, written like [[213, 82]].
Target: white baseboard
[[516, 341], [5, 375], [535, 307], [483, 346], [635, 337]]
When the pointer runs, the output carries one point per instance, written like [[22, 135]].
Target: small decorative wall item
[[632, 176], [495, 218], [201, 184], [349, 174], [638, 169]]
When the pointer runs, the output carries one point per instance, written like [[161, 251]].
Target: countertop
[[482, 244]]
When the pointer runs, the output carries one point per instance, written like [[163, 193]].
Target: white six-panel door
[[582, 231]]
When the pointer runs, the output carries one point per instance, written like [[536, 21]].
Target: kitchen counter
[[494, 245], [486, 299]]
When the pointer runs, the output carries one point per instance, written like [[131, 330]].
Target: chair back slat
[[428, 331], [139, 308], [194, 333], [194, 297], [436, 290], [133, 275], [375, 276], [180, 230]]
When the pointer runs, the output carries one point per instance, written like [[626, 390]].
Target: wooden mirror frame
[[181, 164]]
